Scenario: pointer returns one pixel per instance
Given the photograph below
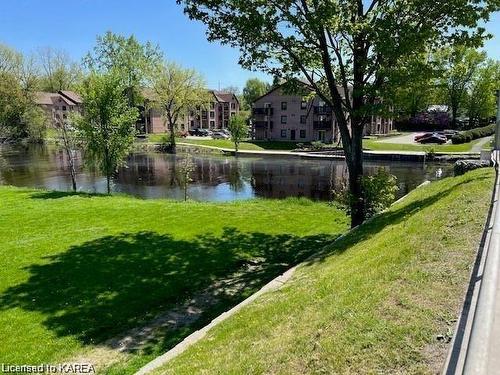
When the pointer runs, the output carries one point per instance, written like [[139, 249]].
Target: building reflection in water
[[154, 175]]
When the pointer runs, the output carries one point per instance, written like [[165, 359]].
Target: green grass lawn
[[375, 302], [80, 269], [226, 143], [373, 144]]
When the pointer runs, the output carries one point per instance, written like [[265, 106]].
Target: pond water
[[214, 178]]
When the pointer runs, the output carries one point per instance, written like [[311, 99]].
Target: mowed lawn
[[383, 299], [228, 144], [375, 145], [80, 269]]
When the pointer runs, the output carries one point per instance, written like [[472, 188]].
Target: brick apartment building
[[58, 106], [280, 116], [222, 107]]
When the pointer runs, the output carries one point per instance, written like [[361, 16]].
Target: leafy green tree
[[20, 118], [177, 91], [340, 47], [254, 88], [238, 129], [481, 103], [458, 65], [58, 71], [132, 61], [107, 124]]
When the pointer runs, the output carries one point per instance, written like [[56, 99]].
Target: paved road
[[407, 139], [479, 145]]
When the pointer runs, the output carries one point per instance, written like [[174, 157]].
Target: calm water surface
[[215, 178]]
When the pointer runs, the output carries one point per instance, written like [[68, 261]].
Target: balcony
[[262, 124], [322, 125], [263, 111], [322, 110]]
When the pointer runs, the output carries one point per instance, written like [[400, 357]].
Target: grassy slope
[[372, 144], [78, 269], [375, 303]]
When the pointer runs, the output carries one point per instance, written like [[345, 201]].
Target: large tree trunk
[[355, 168], [108, 183], [171, 129]]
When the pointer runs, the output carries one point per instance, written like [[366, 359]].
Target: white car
[[220, 135]]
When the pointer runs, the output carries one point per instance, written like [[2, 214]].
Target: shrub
[[317, 145], [380, 192], [470, 135]]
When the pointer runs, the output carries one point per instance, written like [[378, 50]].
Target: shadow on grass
[[61, 194], [391, 217], [101, 288]]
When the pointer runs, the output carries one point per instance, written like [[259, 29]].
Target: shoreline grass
[[79, 269], [378, 301]]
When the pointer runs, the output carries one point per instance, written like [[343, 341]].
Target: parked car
[[433, 138], [200, 132], [220, 135]]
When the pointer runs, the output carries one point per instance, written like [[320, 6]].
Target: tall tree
[[253, 89], [20, 118], [58, 71], [339, 47], [481, 103], [107, 124], [132, 61], [177, 91], [458, 65], [238, 129]]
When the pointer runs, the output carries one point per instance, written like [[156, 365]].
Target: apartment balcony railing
[[322, 110], [322, 125], [262, 124], [263, 111]]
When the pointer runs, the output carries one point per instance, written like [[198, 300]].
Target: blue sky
[[73, 25]]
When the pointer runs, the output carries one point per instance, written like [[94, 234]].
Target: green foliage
[[238, 128], [253, 89], [107, 125], [481, 101], [20, 119], [458, 67], [379, 191], [469, 135], [176, 92], [132, 61]]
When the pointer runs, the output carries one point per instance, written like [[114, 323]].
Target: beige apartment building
[[280, 116], [58, 106]]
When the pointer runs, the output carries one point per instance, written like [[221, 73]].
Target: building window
[[284, 106], [212, 114], [284, 119], [233, 114], [64, 107], [303, 104], [65, 116], [212, 124], [233, 105], [302, 133], [212, 105], [283, 133], [267, 105], [303, 119]]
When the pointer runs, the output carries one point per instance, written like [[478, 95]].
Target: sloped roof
[[51, 98], [44, 98], [71, 95], [224, 96]]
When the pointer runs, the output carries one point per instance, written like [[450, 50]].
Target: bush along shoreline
[[472, 134]]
